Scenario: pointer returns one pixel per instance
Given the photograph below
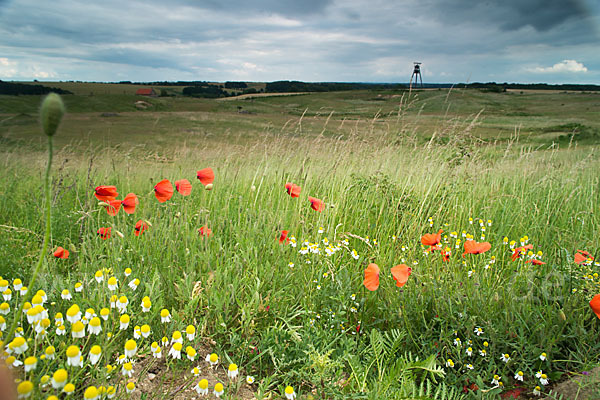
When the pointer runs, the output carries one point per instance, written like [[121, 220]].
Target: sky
[[526, 41]]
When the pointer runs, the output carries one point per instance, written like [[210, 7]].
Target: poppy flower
[[535, 262], [206, 176], [371, 281], [473, 247], [105, 193], [582, 256], [104, 233], [292, 189], [129, 203], [113, 207], [316, 204], [140, 227], [400, 273], [431, 239], [184, 187], [205, 231], [61, 253], [163, 190], [283, 237], [517, 252], [595, 304]]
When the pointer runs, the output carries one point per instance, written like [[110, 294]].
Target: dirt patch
[[153, 380], [581, 387]]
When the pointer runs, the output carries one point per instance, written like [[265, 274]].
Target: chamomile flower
[[478, 331], [94, 355], [127, 271], [537, 391], [469, 351], [145, 331], [355, 256], [249, 380], [190, 353], [202, 387], [121, 304], [457, 342], [505, 358], [73, 356], [196, 371], [543, 356], [538, 374], [99, 276], [105, 313], [94, 326], [73, 314], [175, 351], [124, 322], [137, 332], [130, 387], [165, 316], [134, 283], [18, 345], [66, 295], [190, 331], [289, 393], [482, 352], [50, 353], [519, 376], [146, 304], [112, 283], [130, 348], [177, 337], [78, 287], [232, 371], [24, 389], [496, 380], [59, 378], [30, 363], [218, 391], [470, 366], [450, 363], [91, 393], [127, 370], [544, 379], [212, 359]]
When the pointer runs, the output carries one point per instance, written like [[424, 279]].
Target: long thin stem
[[47, 208]]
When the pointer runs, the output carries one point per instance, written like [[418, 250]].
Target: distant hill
[[16, 89]]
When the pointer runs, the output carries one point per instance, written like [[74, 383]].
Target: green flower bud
[[51, 113]]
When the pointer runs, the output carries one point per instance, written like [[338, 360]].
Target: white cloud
[[563, 66]]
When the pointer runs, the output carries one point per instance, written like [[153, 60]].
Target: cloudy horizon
[[525, 41]]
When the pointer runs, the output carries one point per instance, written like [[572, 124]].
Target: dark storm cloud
[[352, 40]]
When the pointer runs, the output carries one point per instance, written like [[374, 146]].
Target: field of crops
[[347, 245]]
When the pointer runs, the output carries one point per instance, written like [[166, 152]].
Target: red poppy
[[400, 273], [104, 233], [582, 256], [517, 252], [292, 189], [206, 176], [61, 253], [163, 190], [431, 239], [129, 203], [184, 187], [113, 207], [316, 204], [105, 193], [535, 262], [371, 281], [283, 237], [140, 227], [473, 247], [595, 304], [205, 231]]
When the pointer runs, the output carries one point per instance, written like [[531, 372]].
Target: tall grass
[[238, 285]]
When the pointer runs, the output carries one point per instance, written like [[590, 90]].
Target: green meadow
[[515, 169]]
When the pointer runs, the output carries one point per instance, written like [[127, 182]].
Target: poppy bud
[[253, 188], [119, 234], [51, 113], [72, 248], [209, 186], [561, 315]]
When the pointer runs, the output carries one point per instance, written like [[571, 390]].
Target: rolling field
[[302, 312]]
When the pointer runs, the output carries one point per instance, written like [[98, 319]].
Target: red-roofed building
[[146, 92]]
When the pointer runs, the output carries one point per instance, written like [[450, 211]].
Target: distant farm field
[[368, 278]]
